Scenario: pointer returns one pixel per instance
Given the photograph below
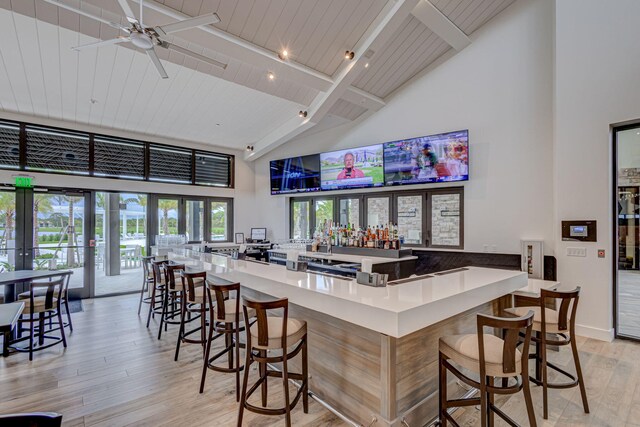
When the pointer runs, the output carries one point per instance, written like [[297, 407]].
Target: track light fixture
[[283, 55], [349, 55], [249, 147], [302, 114]]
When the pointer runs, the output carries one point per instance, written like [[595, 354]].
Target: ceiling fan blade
[[185, 24], [192, 54], [87, 14], [119, 39], [156, 61], [128, 12]]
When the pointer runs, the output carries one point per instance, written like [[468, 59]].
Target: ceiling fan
[[147, 38]]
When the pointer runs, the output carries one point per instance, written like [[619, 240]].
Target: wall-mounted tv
[[353, 168], [434, 158], [295, 175]]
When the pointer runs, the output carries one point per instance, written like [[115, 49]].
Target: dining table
[[9, 315]]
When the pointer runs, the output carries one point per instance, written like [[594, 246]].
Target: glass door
[[9, 258], [300, 219], [627, 226], [194, 220], [323, 210], [168, 209], [120, 242]]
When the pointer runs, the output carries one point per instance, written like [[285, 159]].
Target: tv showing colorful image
[[434, 158], [295, 175], [353, 168]]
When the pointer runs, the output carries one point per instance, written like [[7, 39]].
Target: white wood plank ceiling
[[117, 87]]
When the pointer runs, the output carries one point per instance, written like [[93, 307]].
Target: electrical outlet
[[580, 252], [494, 248], [486, 248]]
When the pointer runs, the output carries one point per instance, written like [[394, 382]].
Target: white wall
[[244, 175], [500, 88], [597, 68]]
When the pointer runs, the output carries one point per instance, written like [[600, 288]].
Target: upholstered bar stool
[[172, 294], [489, 357], [147, 281], [279, 335], [226, 318], [561, 326], [194, 301], [157, 290], [64, 301], [41, 308]]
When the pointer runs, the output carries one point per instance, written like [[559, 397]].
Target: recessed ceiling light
[[283, 55], [271, 76], [366, 65]]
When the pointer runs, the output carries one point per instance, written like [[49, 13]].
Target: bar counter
[[373, 351]]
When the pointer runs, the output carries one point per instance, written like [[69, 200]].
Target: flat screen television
[[434, 158], [295, 175], [352, 168]]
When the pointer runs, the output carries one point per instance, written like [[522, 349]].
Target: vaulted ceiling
[[236, 105]]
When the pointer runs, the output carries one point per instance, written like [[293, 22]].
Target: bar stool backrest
[[158, 271], [221, 293], [261, 308], [567, 310], [169, 274], [55, 289], [147, 266], [188, 280], [510, 328]]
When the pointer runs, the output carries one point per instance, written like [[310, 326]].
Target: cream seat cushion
[[551, 317], [38, 305], [463, 350], [39, 292], [296, 329], [230, 312]]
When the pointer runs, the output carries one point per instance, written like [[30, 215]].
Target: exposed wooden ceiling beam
[[437, 22], [374, 39]]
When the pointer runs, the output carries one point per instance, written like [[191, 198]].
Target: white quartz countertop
[[344, 257], [393, 310]]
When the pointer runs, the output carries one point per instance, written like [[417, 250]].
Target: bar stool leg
[[165, 303], [66, 307], [576, 360], [41, 328], [237, 348], [526, 389], [285, 383], [152, 304], [205, 368], [183, 309], [543, 350], [245, 380], [144, 282], [263, 374], [490, 399], [483, 402], [31, 338], [442, 379], [64, 338], [305, 376]]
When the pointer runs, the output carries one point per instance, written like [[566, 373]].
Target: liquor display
[[384, 236]]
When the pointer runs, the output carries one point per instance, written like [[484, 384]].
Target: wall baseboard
[[595, 333]]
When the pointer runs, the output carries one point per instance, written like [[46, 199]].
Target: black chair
[[33, 419]]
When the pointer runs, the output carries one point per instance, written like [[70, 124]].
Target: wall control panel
[[579, 231]]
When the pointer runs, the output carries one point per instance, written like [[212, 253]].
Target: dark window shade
[[213, 169], [51, 150], [169, 164], [9, 145], [118, 158]]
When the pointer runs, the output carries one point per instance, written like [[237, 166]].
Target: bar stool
[[490, 357], [157, 290], [561, 325], [271, 333], [173, 292], [194, 301], [64, 301], [47, 307], [225, 315], [147, 280]]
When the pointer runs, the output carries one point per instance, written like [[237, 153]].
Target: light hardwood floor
[[116, 373]]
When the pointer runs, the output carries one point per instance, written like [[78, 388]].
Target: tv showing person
[[350, 171], [352, 168]]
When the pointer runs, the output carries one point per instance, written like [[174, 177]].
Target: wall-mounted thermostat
[[582, 231]]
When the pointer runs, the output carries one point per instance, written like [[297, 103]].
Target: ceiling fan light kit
[[148, 38]]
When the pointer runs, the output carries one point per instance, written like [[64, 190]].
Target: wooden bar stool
[[561, 325], [172, 294], [157, 289], [490, 357], [147, 281], [194, 301], [64, 300], [274, 333], [225, 317], [46, 307]]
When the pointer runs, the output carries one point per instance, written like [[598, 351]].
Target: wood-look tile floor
[[116, 373]]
